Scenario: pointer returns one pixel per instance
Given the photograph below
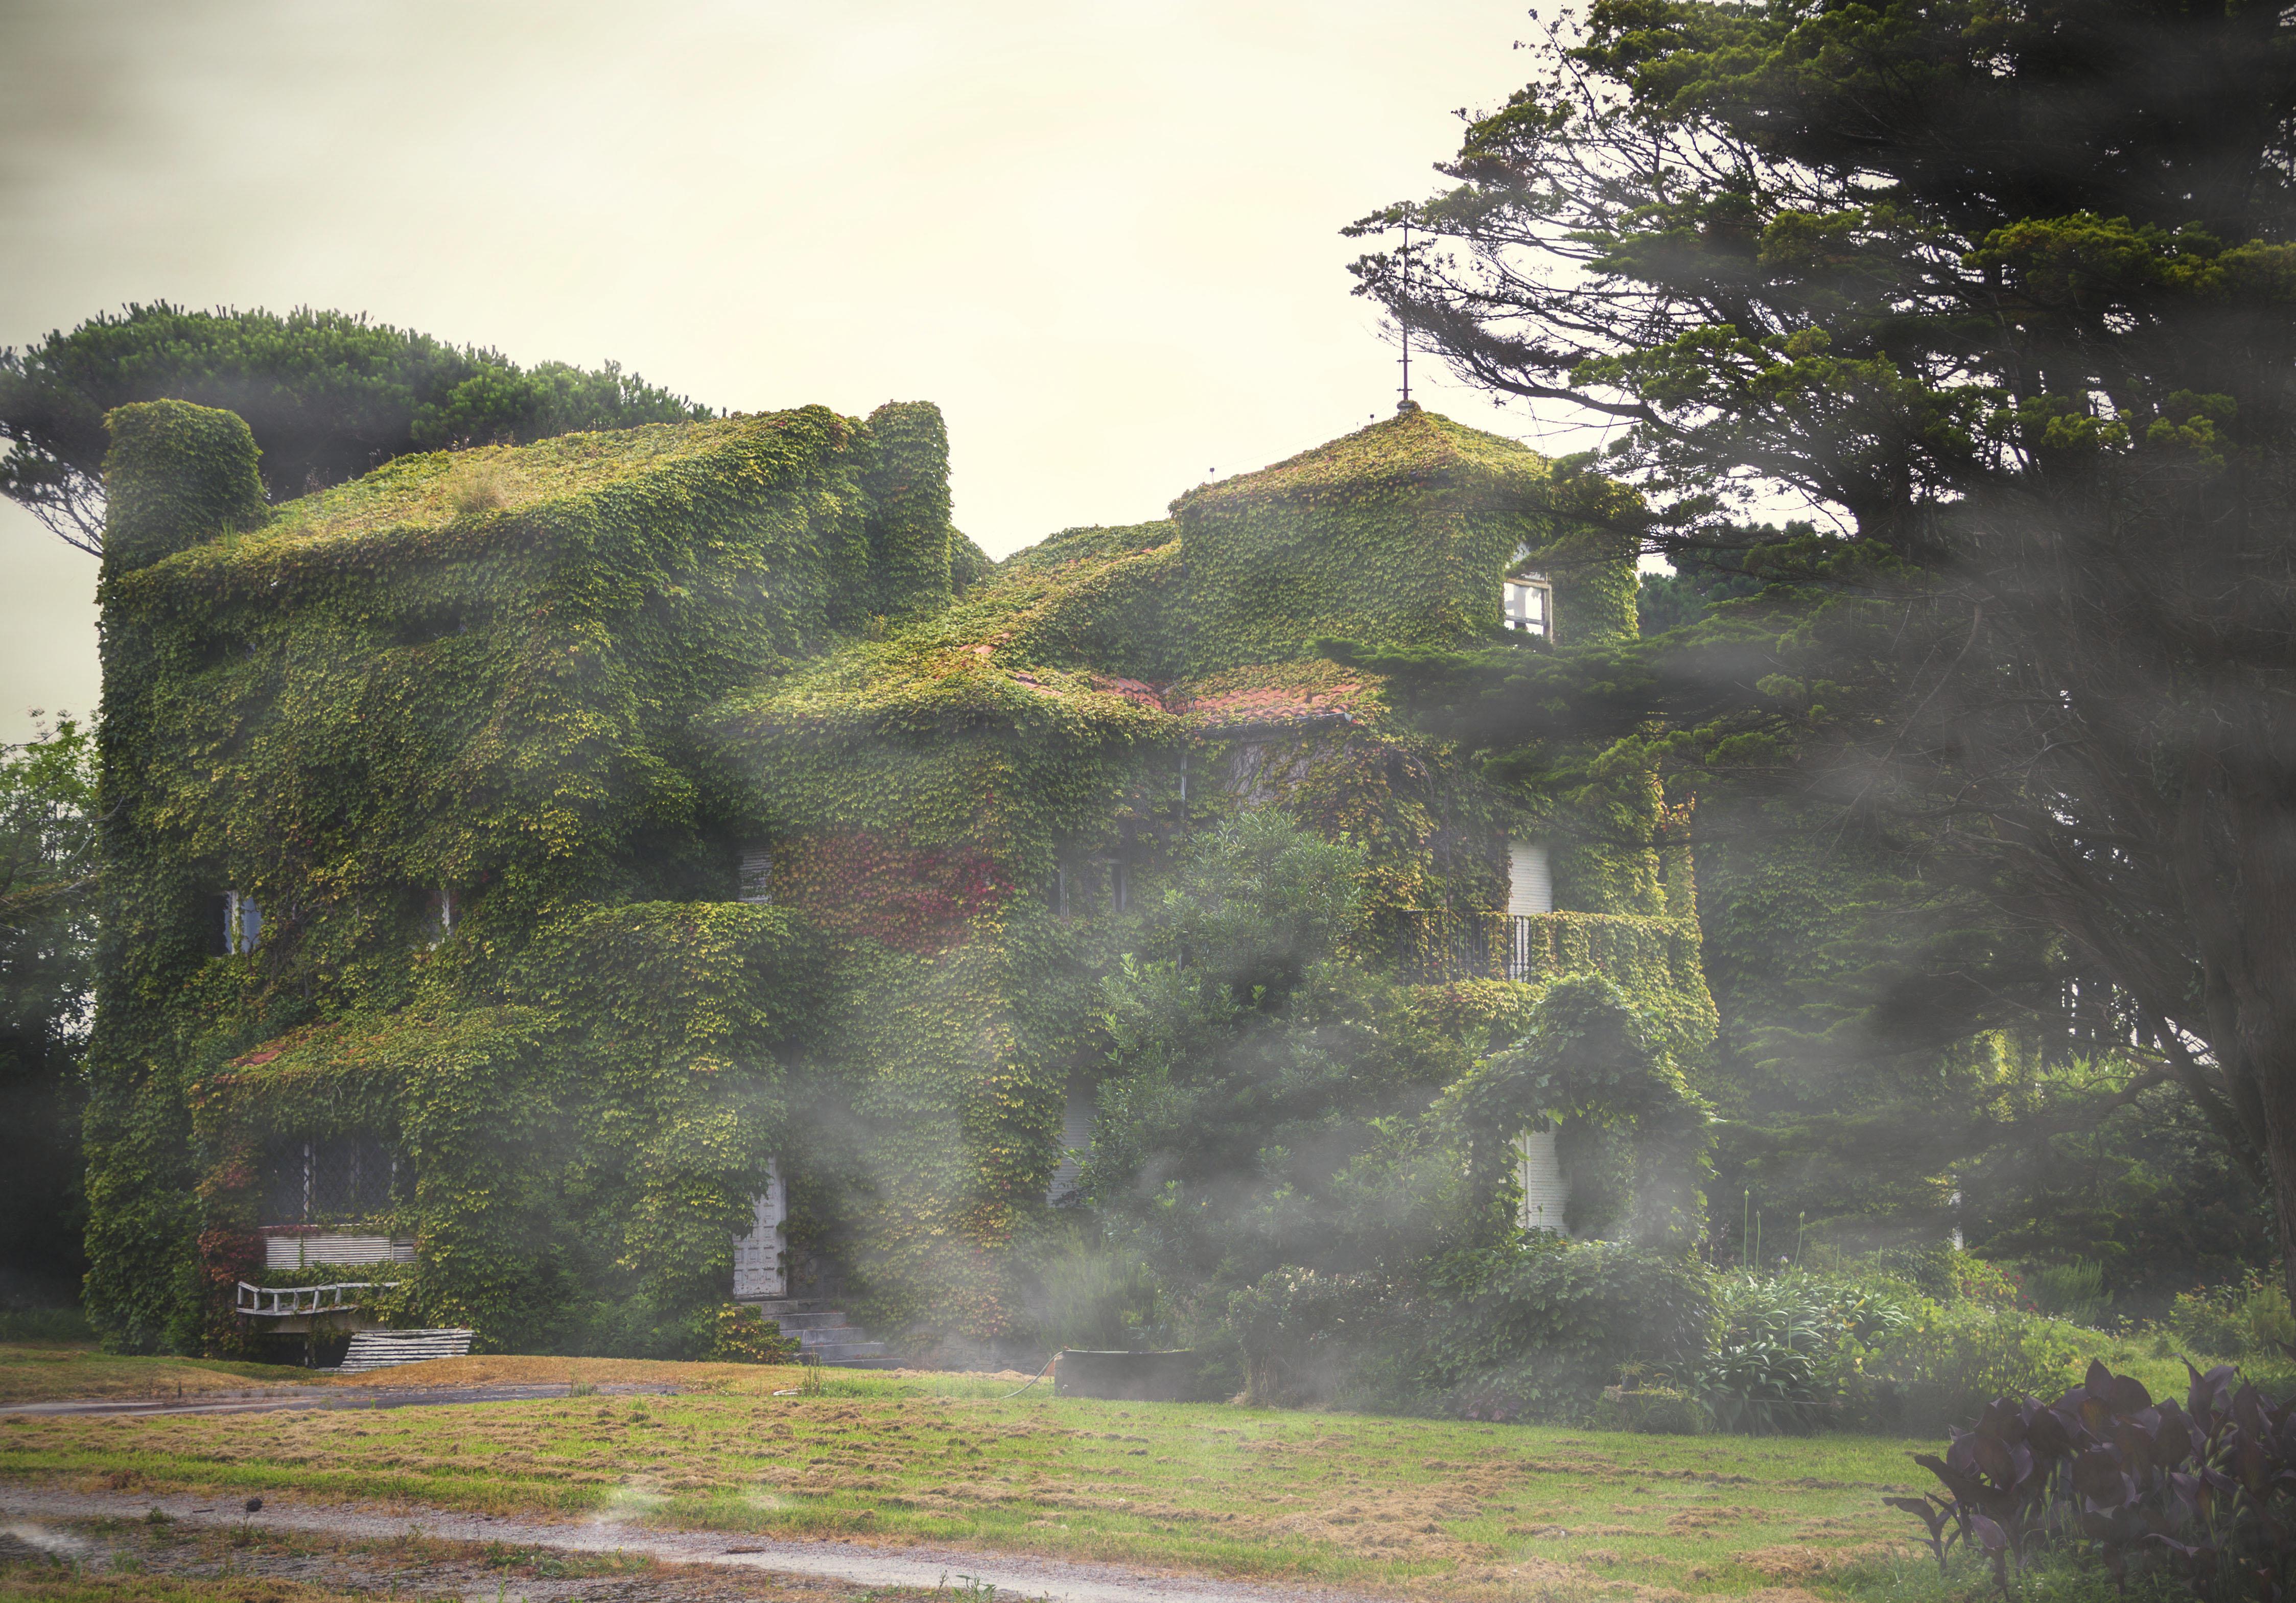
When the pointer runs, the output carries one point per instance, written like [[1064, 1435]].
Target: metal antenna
[[1406, 402]]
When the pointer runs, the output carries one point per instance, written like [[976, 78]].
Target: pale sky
[[1104, 237]]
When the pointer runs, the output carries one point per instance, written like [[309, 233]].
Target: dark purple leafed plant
[[2208, 1488]]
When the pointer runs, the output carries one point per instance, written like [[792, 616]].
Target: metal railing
[[288, 1302], [1439, 946]]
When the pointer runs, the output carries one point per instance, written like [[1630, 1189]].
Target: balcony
[[301, 1302], [1640, 954]]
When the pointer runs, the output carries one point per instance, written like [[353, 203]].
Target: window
[[1530, 604], [438, 921], [1545, 1188], [238, 925], [1531, 881], [338, 1179], [1076, 1139], [754, 876]]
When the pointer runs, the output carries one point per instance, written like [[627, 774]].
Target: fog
[[1104, 238]]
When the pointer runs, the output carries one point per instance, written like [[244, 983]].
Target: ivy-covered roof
[[1415, 448], [440, 487]]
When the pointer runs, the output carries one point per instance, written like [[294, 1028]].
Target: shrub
[[1096, 1298], [745, 1336], [2071, 1291], [43, 1324], [1945, 1362], [2248, 1317], [1303, 1333], [1787, 1342], [1547, 1326], [1655, 1411]]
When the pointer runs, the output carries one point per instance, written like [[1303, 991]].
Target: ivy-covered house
[[553, 889]]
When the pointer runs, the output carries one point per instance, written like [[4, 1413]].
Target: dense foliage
[[328, 396], [48, 902]]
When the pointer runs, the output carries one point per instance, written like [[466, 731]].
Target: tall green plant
[[47, 903]]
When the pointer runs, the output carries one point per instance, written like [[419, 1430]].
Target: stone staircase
[[822, 1333]]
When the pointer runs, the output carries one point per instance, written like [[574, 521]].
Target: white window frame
[[243, 923], [1529, 602]]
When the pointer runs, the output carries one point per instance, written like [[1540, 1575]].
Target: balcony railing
[[1440, 946], [291, 1302], [1636, 951]]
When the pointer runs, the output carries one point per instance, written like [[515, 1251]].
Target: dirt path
[[1012, 1575]]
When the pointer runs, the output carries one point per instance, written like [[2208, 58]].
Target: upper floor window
[[1086, 886], [1530, 604], [238, 924], [754, 876], [1530, 880], [439, 917], [339, 1179]]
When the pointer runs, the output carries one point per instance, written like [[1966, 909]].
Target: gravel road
[[1012, 1575]]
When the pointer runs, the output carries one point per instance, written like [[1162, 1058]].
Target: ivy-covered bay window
[[326, 1198]]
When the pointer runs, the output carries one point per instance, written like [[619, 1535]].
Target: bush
[[744, 1334], [2249, 1317], [1787, 1345], [1945, 1362], [1096, 1298], [1656, 1410], [1304, 1334], [1549, 1326], [2071, 1291], [43, 1324]]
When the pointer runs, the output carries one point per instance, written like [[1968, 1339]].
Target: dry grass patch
[[55, 1372]]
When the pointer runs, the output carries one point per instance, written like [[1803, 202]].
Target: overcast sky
[[1104, 237]]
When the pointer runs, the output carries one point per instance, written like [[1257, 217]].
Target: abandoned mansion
[[553, 889]]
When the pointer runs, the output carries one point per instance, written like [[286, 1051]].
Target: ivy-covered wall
[[437, 725], [484, 733]]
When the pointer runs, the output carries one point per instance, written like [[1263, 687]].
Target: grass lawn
[[1434, 1506]]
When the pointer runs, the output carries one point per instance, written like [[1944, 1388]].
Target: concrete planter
[[1126, 1377]]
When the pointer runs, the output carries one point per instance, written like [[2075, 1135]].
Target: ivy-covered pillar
[[177, 475]]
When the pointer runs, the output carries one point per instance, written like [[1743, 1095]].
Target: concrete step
[[775, 1307], [846, 1351], [791, 1323]]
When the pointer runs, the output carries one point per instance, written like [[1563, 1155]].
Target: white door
[[1544, 1190], [1530, 887], [761, 1257]]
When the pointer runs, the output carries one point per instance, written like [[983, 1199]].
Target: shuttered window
[[1076, 1139], [1538, 1169], [1530, 883], [755, 875]]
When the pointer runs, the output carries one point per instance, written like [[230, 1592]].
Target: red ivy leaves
[[910, 898]]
